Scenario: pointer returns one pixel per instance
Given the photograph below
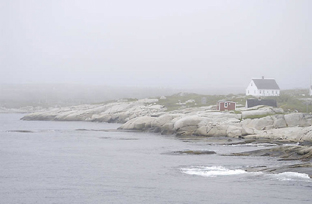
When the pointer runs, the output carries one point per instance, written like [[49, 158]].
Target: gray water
[[57, 162]]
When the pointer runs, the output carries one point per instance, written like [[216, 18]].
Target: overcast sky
[[163, 43]]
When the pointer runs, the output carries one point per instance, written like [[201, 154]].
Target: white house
[[263, 87]]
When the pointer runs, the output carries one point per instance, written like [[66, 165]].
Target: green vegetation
[[289, 100], [237, 112], [257, 116], [178, 101], [294, 100]]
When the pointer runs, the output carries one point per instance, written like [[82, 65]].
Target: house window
[[260, 92], [225, 105]]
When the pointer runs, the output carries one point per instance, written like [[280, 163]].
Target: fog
[[172, 44]]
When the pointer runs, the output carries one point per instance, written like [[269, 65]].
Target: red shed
[[226, 105]]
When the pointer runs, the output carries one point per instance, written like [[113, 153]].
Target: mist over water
[[50, 95], [62, 53], [56, 162]]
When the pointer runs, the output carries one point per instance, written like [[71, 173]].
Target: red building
[[226, 105]]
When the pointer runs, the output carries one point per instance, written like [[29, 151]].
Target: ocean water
[[84, 162]]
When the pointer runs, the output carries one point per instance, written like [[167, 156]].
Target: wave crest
[[289, 176], [212, 171]]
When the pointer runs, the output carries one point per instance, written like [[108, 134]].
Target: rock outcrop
[[292, 127], [303, 153], [118, 112], [147, 115]]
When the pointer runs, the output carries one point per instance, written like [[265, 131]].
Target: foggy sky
[[163, 43]]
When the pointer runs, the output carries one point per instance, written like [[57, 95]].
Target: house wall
[[269, 92], [231, 106], [255, 102], [254, 91]]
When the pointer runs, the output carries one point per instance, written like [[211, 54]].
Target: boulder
[[234, 131], [217, 130], [212, 130], [247, 131], [167, 129], [288, 134], [140, 123], [164, 119], [187, 121], [187, 130], [261, 112], [279, 121], [296, 119], [259, 124]]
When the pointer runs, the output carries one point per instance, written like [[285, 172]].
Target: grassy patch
[[177, 101], [237, 112], [289, 101], [256, 116]]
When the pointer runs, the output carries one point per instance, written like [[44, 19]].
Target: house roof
[[266, 84], [223, 101], [257, 102]]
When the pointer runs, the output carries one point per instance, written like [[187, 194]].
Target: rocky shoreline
[[254, 125], [147, 115]]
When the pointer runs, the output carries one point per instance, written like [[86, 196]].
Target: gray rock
[[187, 121], [296, 119], [260, 123], [140, 123], [260, 112], [212, 130], [279, 121], [234, 131]]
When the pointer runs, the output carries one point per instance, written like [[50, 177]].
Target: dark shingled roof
[[266, 83], [257, 102]]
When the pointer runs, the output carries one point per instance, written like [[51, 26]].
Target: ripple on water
[[21, 131]]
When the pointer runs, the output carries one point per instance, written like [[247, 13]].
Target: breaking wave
[[212, 171], [291, 176], [215, 171]]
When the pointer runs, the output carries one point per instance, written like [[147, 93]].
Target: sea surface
[[84, 162]]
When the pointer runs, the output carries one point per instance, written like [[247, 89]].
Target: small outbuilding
[[257, 102], [224, 105]]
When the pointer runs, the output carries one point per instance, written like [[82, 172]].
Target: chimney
[[262, 77]]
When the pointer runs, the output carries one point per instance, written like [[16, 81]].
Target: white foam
[[212, 171], [290, 176]]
